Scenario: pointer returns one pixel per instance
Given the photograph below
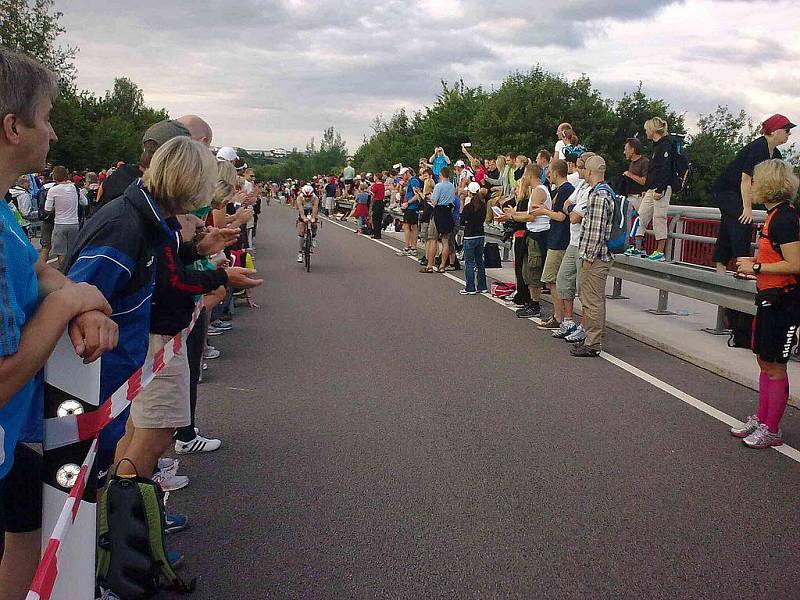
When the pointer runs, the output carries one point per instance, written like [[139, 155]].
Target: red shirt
[[378, 191], [480, 174]]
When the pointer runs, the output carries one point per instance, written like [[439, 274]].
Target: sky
[[275, 73]]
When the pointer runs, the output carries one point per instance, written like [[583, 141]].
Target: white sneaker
[[168, 465], [197, 445], [300, 257], [170, 483], [211, 353], [577, 336]]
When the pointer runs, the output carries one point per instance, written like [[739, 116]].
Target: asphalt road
[[385, 437]]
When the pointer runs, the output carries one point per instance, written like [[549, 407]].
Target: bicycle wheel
[[307, 249]]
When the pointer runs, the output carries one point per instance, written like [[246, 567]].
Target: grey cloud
[[754, 54]]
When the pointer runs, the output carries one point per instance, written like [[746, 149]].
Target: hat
[[404, 170], [459, 163], [227, 153], [163, 131], [774, 123], [596, 164], [474, 187]]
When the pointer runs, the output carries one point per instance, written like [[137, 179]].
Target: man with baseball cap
[[731, 190], [595, 258]]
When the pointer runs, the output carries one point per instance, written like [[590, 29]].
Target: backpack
[[41, 198], [131, 558], [387, 220], [681, 171], [491, 256], [503, 289], [618, 240]]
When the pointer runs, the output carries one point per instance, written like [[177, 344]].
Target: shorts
[[534, 262], [775, 332], [21, 493], [164, 404], [63, 238], [733, 240], [46, 240], [410, 216], [552, 264], [430, 233], [567, 280], [443, 217], [330, 203]]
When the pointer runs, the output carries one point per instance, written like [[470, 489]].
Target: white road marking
[[703, 407]]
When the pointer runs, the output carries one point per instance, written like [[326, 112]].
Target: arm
[[82, 199], [637, 178], [48, 203], [747, 200], [466, 153], [315, 208]]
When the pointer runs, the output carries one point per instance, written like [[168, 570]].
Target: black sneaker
[[532, 310], [519, 302], [423, 261]]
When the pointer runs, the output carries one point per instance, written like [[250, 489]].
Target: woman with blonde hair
[[658, 185], [777, 271]]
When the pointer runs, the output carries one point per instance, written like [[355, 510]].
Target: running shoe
[[582, 351], [578, 335], [634, 251], [221, 325], [483, 291], [176, 522], [748, 427], [657, 256], [529, 311], [211, 353], [466, 293], [314, 243], [300, 257], [168, 465], [197, 445], [170, 483], [567, 327], [213, 331], [762, 437], [175, 559]]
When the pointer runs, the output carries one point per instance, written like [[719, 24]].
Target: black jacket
[[176, 286], [661, 172]]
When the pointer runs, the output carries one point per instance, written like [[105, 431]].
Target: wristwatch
[[756, 268]]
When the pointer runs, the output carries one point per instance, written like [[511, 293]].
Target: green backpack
[[131, 558]]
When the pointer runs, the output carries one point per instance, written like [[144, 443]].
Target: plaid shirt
[[596, 228]]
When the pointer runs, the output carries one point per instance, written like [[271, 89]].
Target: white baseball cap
[[227, 153], [459, 163], [474, 187], [404, 170]]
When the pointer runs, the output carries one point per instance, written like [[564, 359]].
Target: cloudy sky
[[274, 73]]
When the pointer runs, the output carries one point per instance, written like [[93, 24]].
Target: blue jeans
[[473, 259]]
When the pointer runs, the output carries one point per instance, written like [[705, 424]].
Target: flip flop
[[427, 270]]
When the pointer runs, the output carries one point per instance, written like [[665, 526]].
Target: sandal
[[427, 270], [441, 270]]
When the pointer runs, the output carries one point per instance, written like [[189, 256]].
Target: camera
[[467, 144], [397, 166]]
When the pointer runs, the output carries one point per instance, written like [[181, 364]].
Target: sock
[[778, 398], [763, 397]]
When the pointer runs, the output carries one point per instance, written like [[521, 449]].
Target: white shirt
[[581, 197], [560, 145], [574, 178], [63, 198], [542, 222]]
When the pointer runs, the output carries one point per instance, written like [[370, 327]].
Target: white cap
[[227, 153], [369, 174], [404, 170], [474, 187], [459, 163]]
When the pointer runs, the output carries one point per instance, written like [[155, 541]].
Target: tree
[[32, 27]]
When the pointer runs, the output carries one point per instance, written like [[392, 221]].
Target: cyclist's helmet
[[308, 190]]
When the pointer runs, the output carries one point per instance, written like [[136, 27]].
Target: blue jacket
[[116, 252]]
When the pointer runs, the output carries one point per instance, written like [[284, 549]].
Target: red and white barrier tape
[[73, 428], [46, 573]]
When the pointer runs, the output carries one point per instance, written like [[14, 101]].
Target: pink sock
[[778, 398], [763, 397]]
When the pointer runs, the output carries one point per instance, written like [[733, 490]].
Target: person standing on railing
[[777, 271], [658, 185], [732, 192], [634, 180]]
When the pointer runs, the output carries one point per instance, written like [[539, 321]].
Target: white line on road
[[785, 449]]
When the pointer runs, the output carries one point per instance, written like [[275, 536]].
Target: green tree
[[33, 27]]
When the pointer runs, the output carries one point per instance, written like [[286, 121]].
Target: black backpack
[[491, 256], [41, 198]]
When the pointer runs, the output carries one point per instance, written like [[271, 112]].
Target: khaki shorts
[[551, 265], [164, 404], [533, 265], [430, 233]]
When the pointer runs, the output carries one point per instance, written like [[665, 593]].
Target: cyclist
[[307, 205]]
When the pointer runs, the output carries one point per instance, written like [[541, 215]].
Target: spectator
[[428, 232], [443, 199], [348, 178], [520, 162], [478, 169], [560, 144], [633, 182], [571, 143], [463, 174], [537, 224], [595, 258], [567, 279], [525, 186], [543, 158], [91, 189], [731, 190], [22, 198], [472, 219], [410, 208], [501, 185], [439, 160], [658, 185], [46, 241], [37, 305], [361, 207], [63, 199], [331, 192], [557, 238], [777, 271], [378, 191]]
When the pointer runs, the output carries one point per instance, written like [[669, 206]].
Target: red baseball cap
[[774, 123]]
